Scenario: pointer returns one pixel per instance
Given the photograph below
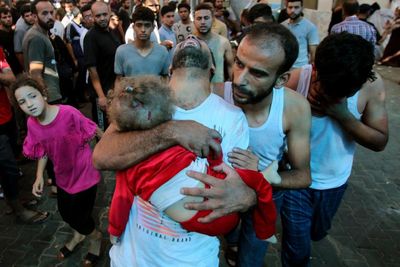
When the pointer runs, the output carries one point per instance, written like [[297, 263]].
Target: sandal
[[64, 253], [231, 256], [38, 218], [90, 260]]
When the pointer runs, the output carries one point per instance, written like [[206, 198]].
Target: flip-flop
[[64, 253], [231, 256], [38, 218], [90, 260]]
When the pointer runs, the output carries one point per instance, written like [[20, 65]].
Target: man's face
[[29, 18], [183, 13], [255, 72], [45, 15], [219, 4], [154, 5], [126, 4], [68, 7], [87, 19], [294, 9], [143, 29], [83, 2], [6, 20], [101, 15], [203, 21], [168, 19]]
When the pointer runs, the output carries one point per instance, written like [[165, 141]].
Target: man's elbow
[[99, 161], [379, 146]]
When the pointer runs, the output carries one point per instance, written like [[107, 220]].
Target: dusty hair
[[139, 103], [27, 80]]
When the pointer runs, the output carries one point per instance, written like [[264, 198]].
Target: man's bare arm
[[311, 51], [120, 150], [36, 71], [94, 77], [298, 123], [7, 77], [228, 57]]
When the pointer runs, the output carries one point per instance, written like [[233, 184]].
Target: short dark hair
[[4, 10], [27, 80], [205, 6], [262, 34], [25, 9], [70, 2], [260, 10], [166, 9], [344, 63], [350, 7], [143, 13], [86, 7], [296, 1], [184, 5], [34, 3], [20, 4], [210, 1]]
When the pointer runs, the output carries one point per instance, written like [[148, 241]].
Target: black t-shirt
[[99, 50], [7, 42]]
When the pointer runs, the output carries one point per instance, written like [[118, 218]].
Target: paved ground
[[366, 230]]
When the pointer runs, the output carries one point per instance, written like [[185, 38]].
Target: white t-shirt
[[151, 238]]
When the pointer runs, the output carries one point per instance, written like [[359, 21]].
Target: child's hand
[[37, 188], [114, 239], [271, 174]]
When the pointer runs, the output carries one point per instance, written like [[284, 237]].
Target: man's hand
[[224, 197], [102, 101], [271, 174], [197, 138], [243, 159]]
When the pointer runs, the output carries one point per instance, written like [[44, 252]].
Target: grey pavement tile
[[10, 257], [356, 263], [373, 256]]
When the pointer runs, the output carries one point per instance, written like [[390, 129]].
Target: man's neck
[[77, 20], [204, 36], [5, 28], [189, 93], [41, 29], [167, 27], [142, 44], [186, 21], [297, 20], [257, 113]]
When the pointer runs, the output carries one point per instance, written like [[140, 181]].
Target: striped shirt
[[355, 26]]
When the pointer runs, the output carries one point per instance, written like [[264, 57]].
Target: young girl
[[61, 133]]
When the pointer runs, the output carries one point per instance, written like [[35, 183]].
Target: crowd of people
[[218, 125]]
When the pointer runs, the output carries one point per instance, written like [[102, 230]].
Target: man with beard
[[279, 120], [24, 23], [219, 45], [142, 56], [7, 40], [304, 30], [100, 46], [38, 52]]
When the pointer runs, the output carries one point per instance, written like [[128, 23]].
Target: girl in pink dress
[[62, 134]]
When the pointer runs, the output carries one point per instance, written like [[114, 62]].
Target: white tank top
[[332, 149], [267, 141]]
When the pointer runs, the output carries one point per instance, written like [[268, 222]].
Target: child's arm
[[37, 188]]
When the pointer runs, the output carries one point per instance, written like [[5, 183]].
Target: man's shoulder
[[159, 49], [225, 106]]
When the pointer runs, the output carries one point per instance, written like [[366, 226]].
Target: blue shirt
[[355, 26], [168, 34], [306, 34]]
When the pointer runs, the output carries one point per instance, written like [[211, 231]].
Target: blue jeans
[[306, 215], [251, 249]]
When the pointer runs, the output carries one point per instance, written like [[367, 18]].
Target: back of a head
[[344, 63], [143, 13], [267, 35], [263, 11], [364, 9], [350, 7], [140, 103]]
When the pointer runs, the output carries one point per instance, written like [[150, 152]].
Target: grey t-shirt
[[21, 27], [37, 48], [128, 61]]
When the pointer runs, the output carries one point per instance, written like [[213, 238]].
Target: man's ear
[[212, 72], [283, 79]]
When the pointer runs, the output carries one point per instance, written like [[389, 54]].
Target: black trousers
[[8, 169], [76, 209]]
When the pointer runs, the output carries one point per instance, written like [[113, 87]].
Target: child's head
[[139, 103], [30, 95]]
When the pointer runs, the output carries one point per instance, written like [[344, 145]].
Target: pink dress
[[65, 142]]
